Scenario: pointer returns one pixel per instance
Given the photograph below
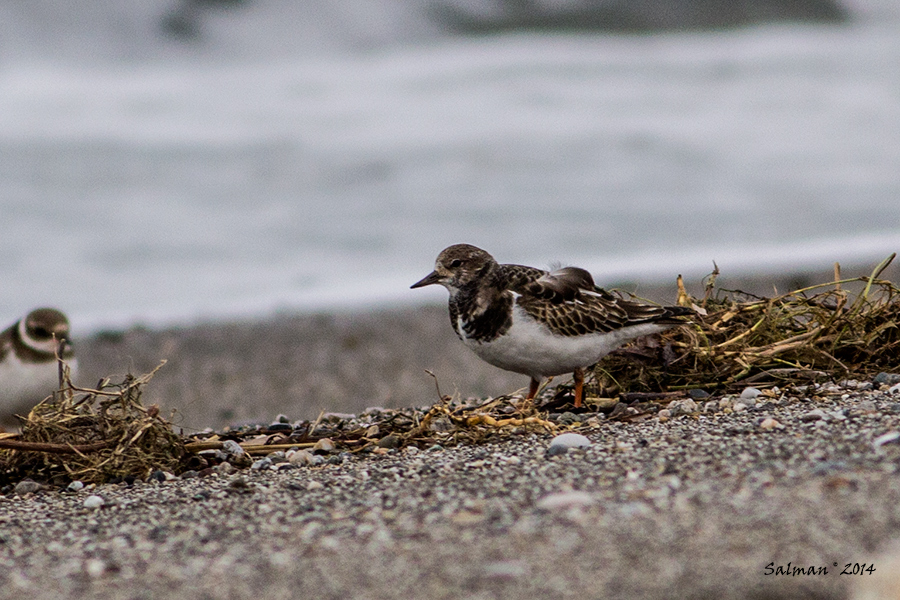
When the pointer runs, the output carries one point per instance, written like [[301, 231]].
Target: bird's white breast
[[24, 384], [531, 348]]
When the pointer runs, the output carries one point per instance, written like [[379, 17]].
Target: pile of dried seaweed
[[447, 423], [91, 435], [736, 339]]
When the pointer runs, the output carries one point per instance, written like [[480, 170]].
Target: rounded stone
[[300, 457], [93, 501], [887, 378], [814, 415], [389, 441], [565, 500], [324, 446], [232, 448], [27, 486], [263, 463], [750, 393], [682, 407], [566, 441], [567, 418]]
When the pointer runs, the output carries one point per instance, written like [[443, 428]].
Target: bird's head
[[459, 266], [43, 329]]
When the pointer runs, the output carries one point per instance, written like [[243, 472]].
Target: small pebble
[[232, 448], [682, 407], [564, 500], [441, 425], [894, 389], [224, 468], [769, 423], [388, 441], [887, 379], [314, 485], [867, 405], [323, 446], [75, 486], [604, 403], [567, 418], [300, 457], [239, 483], [93, 501], [815, 414], [837, 415], [565, 441], [506, 569], [27, 486], [263, 463], [887, 438], [750, 393], [94, 567]]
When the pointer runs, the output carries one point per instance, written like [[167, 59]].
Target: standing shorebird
[[28, 368], [536, 322]]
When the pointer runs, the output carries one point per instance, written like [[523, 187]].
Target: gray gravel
[[688, 505]]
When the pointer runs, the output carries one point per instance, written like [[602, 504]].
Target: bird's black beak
[[429, 279]]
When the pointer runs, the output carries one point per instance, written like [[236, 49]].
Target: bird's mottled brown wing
[[570, 304], [516, 277]]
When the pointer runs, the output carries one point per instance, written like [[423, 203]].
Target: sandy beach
[[713, 500]]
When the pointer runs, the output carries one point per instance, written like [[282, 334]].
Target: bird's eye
[[456, 262], [41, 332]]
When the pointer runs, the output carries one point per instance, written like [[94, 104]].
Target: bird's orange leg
[[532, 392], [579, 387], [532, 389]]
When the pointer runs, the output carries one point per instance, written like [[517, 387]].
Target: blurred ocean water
[[148, 180]]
